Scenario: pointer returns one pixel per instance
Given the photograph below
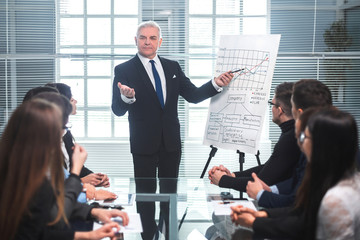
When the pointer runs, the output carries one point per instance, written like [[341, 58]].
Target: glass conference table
[[190, 210]]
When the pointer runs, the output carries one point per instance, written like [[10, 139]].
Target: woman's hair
[[30, 153], [34, 91], [59, 100], [62, 88], [334, 139]]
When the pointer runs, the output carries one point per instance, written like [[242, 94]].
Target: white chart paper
[[236, 115]]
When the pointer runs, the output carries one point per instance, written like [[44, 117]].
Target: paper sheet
[[223, 207]]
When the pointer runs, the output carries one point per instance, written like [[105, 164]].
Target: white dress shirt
[[147, 65]]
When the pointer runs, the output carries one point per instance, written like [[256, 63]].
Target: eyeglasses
[[274, 104], [302, 137], [271, 103]]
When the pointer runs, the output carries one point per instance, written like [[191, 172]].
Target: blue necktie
[[157, 84]]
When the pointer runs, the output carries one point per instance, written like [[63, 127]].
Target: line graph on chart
[[254, 65], [236, 116]]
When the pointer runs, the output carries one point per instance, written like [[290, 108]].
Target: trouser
[[145, 166]]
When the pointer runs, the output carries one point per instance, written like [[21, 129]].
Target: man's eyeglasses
[[274, 104], [302, 137], [271, 103]]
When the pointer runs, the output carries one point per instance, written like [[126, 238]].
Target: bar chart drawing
[[236, 115]]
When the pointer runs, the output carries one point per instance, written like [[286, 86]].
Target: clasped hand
[[243, 216], [254, 187], [217, 172], [96, 179]]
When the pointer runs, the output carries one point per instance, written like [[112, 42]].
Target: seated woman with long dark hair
[[86, 175], [330, 143], [32, 178]]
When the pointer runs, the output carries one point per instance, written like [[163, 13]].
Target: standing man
[[148, 87]]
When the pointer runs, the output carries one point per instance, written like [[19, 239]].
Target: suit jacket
[[73, 209], [34, 222], [287, 189], [69, 144], [281, 223], [150, 123]]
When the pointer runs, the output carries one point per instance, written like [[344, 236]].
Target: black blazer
[[34, 222], [149, 123], [281, 223], [69, 144]]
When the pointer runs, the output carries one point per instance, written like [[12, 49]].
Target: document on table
[[223, 207], [134, 225], [121, 200]]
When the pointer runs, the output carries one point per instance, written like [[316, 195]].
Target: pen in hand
[[237, 70]]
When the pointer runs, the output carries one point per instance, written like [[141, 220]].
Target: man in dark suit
[[148, 87]]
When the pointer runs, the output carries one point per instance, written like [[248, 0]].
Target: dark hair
[[305, 116], [310, 93], [34, 91], [61, 101], [283, 94], [62, 88], [334, 146], [30, 153]]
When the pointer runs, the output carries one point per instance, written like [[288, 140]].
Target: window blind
[[78, 42]]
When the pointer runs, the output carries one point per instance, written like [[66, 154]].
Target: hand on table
[[96, 179], [102, 194], [105, 215], [245, 216], [105, 182], [108, 230], [216, 176]]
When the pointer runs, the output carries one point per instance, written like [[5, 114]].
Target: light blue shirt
[[82, 196], [273, 188]]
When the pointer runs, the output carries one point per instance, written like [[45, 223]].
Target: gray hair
[[148, 24]]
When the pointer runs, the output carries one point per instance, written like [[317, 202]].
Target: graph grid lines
[[253, 64]]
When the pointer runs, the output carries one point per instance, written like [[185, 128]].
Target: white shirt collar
[[145, 60], [64, 132]]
